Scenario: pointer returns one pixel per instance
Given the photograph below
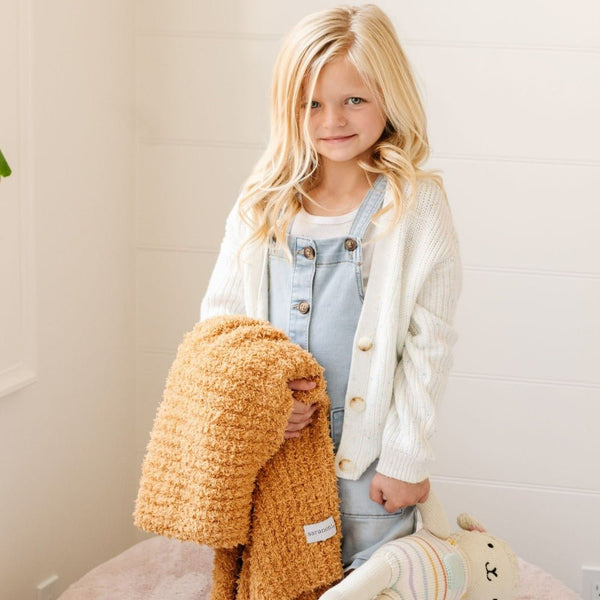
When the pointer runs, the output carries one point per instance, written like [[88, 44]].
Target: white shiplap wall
[[66, 292], [512, 91]]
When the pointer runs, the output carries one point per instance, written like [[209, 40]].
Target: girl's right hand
[[301, 414]]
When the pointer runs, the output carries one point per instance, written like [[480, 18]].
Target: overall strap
[[369, 206]]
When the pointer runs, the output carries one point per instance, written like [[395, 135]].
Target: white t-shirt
[[318, 227]]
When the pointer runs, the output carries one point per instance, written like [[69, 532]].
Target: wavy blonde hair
[[289, 168]]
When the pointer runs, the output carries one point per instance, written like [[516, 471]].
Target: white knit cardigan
[[402, 350]]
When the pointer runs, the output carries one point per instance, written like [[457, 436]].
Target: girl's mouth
[[337, 139]]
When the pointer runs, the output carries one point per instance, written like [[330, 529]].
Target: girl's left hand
[[394, 494], [301, 414]]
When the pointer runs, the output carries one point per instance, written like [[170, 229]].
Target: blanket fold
[[217, 470]]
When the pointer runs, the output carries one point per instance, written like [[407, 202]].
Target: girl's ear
[[469, 523]]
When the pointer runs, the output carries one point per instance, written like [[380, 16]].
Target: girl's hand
[[394, 494], [301, 415]]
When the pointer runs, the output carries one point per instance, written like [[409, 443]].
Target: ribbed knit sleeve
[[225, 293], [426, 355]]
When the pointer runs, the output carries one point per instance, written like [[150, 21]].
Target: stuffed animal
[[431, 564]]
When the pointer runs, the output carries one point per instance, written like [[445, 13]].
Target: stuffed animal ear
[[469, 523]]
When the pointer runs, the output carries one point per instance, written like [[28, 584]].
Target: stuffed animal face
[[493, 572]]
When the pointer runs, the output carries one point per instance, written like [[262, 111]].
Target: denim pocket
[[366, 525], [355, 500], [362, 535]]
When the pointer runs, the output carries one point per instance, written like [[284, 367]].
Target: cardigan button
[[304, 307], [365, 343], [345, 465], [350, 244], [357, 404]]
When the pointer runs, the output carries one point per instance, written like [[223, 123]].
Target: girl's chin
[[340, 156]]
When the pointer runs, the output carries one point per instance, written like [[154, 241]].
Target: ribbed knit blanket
[[218, 472]]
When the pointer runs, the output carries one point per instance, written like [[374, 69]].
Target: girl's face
[[346, 119]]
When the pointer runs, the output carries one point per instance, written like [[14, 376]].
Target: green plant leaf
[[4, 168]]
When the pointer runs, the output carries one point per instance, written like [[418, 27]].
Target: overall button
[[350, 244], [365, 343], [357, 404], [345, 465], [309, 252], [304, 307]]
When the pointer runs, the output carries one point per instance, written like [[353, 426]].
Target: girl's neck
[[341, 189]]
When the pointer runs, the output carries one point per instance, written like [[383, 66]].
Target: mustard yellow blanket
[[218, 472]]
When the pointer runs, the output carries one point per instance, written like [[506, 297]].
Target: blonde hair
[[289, 167]]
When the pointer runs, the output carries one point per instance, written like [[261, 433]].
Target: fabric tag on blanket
[[319, 532]]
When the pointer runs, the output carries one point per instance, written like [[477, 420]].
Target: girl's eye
[[355, 100], [314, 104]]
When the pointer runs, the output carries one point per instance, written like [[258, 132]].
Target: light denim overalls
[[317, 299]]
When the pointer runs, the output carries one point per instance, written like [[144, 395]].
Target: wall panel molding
[[432, 43], [530, 272], [524, 380], [515, 485], [18, 348]]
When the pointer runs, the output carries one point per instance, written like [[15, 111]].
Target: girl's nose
[[334, 117]]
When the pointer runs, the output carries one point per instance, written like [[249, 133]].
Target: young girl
[[342, 240]]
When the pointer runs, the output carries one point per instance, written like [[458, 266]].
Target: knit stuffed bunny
[[432, 564]]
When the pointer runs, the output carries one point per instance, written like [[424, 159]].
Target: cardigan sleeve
[[426, 355], [225, 292]]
